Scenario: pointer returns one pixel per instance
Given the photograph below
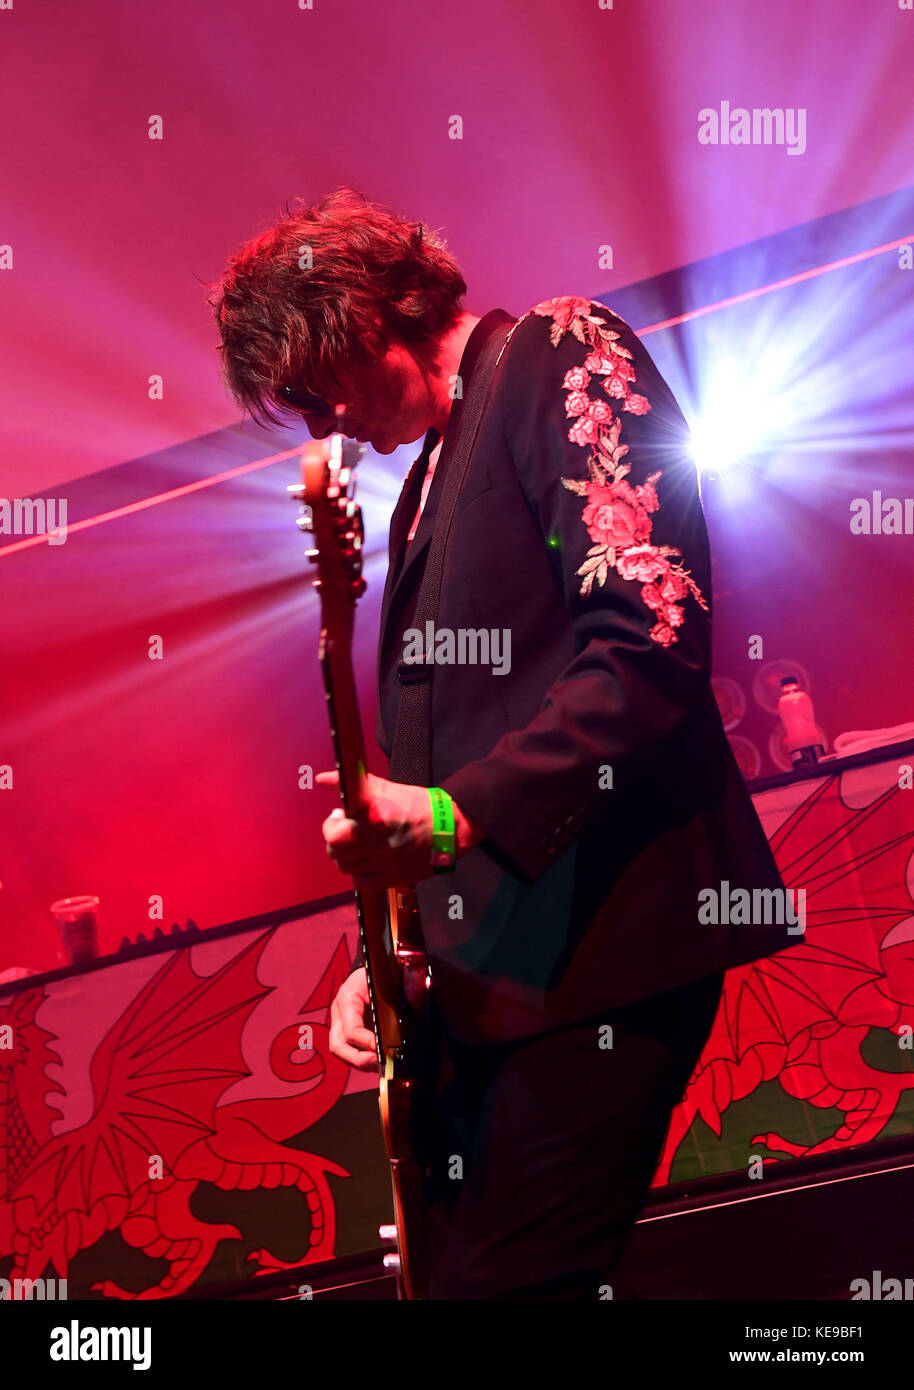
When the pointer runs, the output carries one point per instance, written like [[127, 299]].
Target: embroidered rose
[[617, 516], [614, 519], [617, 383], [576, 379], [584, 430], [642, 562], [620, 374], [599, 411], [577, 403], [673, 587], [653, 597]]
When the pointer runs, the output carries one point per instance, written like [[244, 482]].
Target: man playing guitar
[[580, 798]]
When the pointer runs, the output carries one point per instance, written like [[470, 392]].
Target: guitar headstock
[[332, 516]]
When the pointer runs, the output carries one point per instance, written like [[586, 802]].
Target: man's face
[[388, 403]]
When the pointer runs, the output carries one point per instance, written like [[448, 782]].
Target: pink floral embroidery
[[617, 515]]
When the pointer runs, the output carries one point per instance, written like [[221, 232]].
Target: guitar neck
[[395, 964], [345, 724], [371, 902]]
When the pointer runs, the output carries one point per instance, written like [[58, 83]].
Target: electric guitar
[[399, 979]]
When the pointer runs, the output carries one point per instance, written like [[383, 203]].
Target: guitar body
[[405, 1088], [410, 1048]]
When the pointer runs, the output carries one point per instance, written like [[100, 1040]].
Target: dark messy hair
[[328, 286]]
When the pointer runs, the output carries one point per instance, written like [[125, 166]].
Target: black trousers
[[543, 1149]]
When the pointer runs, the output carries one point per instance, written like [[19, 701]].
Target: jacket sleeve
[[601, 452]]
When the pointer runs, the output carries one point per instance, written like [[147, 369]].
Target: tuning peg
[[296, 491], [392, 1262], [387, 1234], [305, 521]]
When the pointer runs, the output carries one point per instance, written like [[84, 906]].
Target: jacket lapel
[[400, 522], [400, 567]]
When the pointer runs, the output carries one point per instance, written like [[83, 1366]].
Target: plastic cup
[[77, 920]]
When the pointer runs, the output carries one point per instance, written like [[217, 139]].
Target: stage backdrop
[[177, 1119]]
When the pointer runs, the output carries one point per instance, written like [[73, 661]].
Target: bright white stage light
[[731, 423]]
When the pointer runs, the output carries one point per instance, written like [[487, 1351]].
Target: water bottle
[[803, 741]]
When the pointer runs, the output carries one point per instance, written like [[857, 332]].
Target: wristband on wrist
[[444, 839]]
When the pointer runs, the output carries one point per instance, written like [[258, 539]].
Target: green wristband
[[444, 839]]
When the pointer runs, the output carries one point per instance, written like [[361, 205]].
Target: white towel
[[859, 740]]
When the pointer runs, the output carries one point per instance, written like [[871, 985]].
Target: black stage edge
[[807, 1229]]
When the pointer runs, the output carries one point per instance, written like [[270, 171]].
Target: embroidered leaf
[[693, 587], [611, 451], [575, 485], [615, 467]]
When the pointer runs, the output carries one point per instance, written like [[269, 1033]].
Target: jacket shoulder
[[572, 315], [562, 332], [568, 341]]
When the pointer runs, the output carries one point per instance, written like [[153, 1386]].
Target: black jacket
[[584, 895]]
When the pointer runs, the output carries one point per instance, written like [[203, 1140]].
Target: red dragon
[[801, 1017], [157, 1078]]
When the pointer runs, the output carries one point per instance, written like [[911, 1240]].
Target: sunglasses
[[301, 399]]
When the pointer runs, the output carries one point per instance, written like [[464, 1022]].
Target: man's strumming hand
[[351, 1038]]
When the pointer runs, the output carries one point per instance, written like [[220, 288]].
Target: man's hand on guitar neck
[[390, 842]]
